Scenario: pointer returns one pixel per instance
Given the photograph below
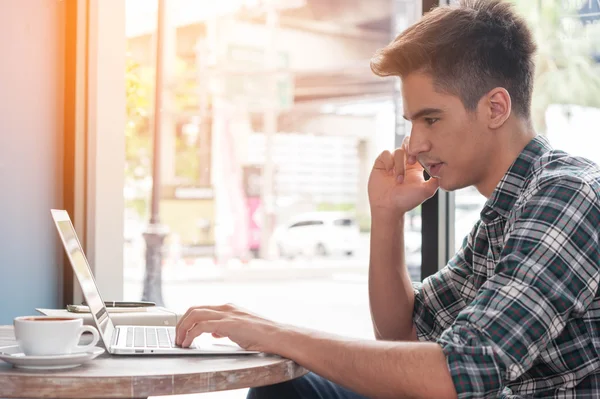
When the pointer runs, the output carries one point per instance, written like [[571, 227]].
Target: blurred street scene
[[269, 120]]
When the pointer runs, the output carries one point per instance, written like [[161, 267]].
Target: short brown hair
[[468, 49]]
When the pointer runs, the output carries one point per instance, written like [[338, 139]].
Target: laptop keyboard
[[150, 337]]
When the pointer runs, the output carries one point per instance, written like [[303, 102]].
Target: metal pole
[[155, 232], [437, 213]]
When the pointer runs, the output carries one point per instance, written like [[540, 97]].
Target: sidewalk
[[204, 269]]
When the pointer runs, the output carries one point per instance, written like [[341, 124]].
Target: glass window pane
[[412, 243], [468, 205], [265, 157]]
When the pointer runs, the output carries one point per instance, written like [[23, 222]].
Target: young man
[[516, 312]]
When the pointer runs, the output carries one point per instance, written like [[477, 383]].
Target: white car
[[318, 234]]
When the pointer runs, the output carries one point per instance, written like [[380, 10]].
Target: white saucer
[[14, 356]]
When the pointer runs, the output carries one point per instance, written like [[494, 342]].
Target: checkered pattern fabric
[[517, 310]]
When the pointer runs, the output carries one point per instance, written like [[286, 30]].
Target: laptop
[[130, 340]]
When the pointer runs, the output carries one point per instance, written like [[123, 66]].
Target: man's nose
[[417, 144]]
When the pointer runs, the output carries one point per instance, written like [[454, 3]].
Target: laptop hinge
[[115, 339]]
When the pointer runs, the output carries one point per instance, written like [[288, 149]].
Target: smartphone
[[126, 304]]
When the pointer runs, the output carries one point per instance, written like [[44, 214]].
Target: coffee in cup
[[48, 336]]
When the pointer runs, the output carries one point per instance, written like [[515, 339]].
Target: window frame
[[94, 142]]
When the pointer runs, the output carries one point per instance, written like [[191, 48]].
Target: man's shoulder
[[556, 169]]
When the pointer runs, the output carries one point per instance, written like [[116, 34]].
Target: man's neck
[[512, 140]]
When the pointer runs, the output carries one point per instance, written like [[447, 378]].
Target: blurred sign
[[590, 11]]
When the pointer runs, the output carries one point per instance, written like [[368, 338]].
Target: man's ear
[[498, 105]]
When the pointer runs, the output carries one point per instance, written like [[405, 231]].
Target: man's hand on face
[[249, 331], [396, 184]]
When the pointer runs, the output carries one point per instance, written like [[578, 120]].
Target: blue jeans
[[310, 386]]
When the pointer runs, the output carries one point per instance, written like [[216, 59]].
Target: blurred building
[[331, 114]]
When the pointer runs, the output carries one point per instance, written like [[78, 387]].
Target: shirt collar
[[515, 180]]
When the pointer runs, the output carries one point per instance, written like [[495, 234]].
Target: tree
[[138, 146], [566, 72], [137, 108]]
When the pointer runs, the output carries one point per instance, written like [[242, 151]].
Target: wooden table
[[139, 377]]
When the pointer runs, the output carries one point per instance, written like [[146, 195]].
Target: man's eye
[[431, 121]]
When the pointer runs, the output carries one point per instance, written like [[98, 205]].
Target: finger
[[184, 319], [194, 317], [223, 308], [410, 159], [405, 142], [228, 307], [206, 326], [385, 161], [431, 186], [186, 314], [399, 164]]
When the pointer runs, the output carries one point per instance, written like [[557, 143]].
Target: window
[[263, 176], [468, 205], [222, 138]]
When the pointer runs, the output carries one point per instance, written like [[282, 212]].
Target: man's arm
[[391, 293], [375, 369], [399, 314], [372, 368], [396, 185]]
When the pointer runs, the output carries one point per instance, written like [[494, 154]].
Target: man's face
[[450, 142]]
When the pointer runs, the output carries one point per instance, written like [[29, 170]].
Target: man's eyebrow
[[423, 112]]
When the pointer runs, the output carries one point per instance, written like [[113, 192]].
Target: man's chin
[[447, 185]]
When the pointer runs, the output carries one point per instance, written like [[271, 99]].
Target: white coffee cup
[[47, 336]]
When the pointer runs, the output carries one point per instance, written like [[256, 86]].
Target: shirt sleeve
[[440, 298], [547, 273]]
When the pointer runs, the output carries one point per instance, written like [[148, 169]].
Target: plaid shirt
[[517, 309]]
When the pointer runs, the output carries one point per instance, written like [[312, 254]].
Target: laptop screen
[[84, 274]]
